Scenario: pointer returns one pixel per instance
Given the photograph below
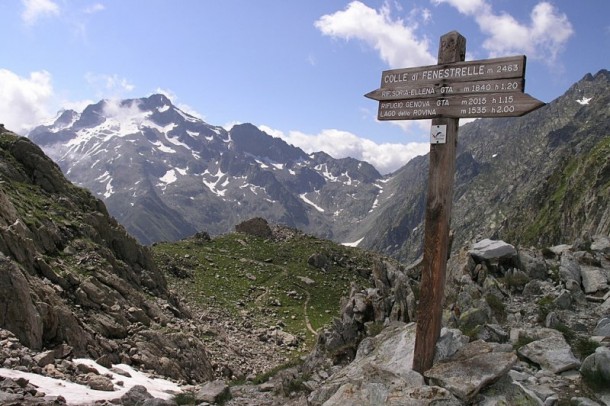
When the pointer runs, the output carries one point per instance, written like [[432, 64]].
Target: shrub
[[497, 306], [185, 398], [545, 306], [585, 347], [567, 332], [516, 280], [523, 340]]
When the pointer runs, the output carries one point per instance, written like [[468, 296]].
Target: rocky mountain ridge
[[540, 179], [165, 174]]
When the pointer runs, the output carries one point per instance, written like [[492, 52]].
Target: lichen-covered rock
[[594, 279], [17, 312], [382, 368], [602, 328]]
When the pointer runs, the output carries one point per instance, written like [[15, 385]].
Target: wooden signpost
[[445, 92]]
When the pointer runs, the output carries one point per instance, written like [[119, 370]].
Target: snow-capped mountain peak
[[166, 174]]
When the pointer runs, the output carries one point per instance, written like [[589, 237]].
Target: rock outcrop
[[523, 329], [72, 278]]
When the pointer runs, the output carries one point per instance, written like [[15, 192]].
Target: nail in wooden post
[[438, 216]]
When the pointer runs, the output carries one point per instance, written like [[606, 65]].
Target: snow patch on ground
[[169, 177], [352, 244], [323, 168], [109, 190], [164, 148], [212, 183], [375, 204], [187, 117], [76, 394], [306, 200]]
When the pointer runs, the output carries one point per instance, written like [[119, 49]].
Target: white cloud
[[311, 60], [231, 124], [97, 7], [78, 105], [114, 108], [468, 7], [109, 86], [385, 158], [426, 15], [399, 46], [543, 37], [397, 43], [35, 9], [24, 101]]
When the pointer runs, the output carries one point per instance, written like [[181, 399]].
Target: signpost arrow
[[458, 106], [445, 88]]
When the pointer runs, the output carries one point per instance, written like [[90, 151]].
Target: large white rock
[[471, 369], [594, 279], [381, 374], [552, 353], [492, 249]]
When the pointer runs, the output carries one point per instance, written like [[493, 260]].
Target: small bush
[[545, 306], [515, 281], [585, 347], [297, 385], [497, 306], [595, 380], [567, 332], [185, 398], [374, 328], [523, 340], [264, 377]]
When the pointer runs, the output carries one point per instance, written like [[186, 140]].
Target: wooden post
[[438, 217]]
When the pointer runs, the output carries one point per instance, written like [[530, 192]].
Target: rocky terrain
[[522, 326], [541, 179], [73, 282], [271, 316]]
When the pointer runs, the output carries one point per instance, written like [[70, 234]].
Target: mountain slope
[[165, 174], [541, 179], [73, 282]]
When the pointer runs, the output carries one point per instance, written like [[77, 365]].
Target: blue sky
[[297, 69]]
